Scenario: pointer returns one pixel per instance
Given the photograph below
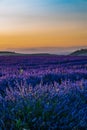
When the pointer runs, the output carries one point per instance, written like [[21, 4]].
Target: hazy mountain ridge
[[7, 53]]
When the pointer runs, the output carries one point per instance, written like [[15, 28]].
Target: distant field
[[43, 92]]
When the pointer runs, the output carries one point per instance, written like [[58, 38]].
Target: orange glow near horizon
[[43, 39]]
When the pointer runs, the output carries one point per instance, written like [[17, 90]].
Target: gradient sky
[[42, 23]]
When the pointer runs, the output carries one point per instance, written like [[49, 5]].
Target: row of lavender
[[43, 92]]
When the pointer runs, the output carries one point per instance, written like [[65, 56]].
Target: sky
[[26, 24]]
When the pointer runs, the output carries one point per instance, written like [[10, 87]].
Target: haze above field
[[49, 50], [42, 23], [80, 52]]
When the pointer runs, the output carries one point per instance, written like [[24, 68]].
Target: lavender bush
[[43, 93]]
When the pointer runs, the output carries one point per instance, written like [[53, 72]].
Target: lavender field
[[45, 92]]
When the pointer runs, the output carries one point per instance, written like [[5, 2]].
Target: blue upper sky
[[42, 11], [70, 5]]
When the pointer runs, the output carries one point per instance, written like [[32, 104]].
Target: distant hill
[[82, 52]]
